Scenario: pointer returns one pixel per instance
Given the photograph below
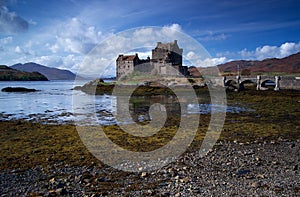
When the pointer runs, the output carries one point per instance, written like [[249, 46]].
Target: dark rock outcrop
[[18, 89]]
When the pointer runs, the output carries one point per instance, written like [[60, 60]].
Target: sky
[[60, 33]]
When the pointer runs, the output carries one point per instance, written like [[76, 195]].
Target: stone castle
[[166, 61]]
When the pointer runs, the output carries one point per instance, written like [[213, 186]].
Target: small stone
[[260, 176], [255, 184], [144, 174], [272, 142], [102, 179], [52, 180], [58, 191], [292, 145], [177, 195], [184, 180], [295, 167], [51, 191]]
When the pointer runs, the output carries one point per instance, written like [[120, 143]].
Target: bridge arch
[[231, 82], [268, 83], [247, 82]]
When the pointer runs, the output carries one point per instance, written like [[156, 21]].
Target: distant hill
[[10, 74], [289, 65], [50, 73]]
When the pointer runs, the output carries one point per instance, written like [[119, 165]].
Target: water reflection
[[139, 107]]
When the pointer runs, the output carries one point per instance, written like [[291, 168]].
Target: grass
[[275, 115]]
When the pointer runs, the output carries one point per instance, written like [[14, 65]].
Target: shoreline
[[56, 164], [256, 154]]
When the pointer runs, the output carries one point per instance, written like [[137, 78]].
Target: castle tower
[[125, 64]]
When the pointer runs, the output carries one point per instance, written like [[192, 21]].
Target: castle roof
[[126, 57]]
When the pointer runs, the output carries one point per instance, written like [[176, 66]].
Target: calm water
[[53, 104], [53, 101]]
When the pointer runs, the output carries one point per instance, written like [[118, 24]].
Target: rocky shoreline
[[257, 155], [269, 168]]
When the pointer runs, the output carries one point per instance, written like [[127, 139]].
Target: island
[[10, 74]]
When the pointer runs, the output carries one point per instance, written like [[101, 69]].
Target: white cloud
[[206, 35], [102, 59], [32, 22], [268, 51], [289, 48], [4, 43], [7, 40], [18, 49], [210, 36], [10, 22], [74, 36], [69, 62], [173, 27], [206, 62], [245, 54], [22, 51], [190, 55], [210, 62]]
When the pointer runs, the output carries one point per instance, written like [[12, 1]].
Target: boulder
[[18, 89]]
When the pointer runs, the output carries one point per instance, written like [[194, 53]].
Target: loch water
[[53, 103]]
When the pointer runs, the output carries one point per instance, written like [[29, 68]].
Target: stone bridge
[[285, 82]]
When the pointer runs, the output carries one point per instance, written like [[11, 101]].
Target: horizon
[[60, 35]]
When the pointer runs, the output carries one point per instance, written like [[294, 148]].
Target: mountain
[[50, 73], [10, 74], [288, 65]]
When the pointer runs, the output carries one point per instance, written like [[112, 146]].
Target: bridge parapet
[[285, 82]]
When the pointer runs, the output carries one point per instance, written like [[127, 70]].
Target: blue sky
[[60, 33]]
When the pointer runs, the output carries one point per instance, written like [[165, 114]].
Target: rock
[[295, 167], [260, 176], [76, 88], [59, 190], [102, 179], [242, 172], [257, 159], [18, 89], [144, 174], [292, 145], [177, 195], [255, 184], [184, 180], [52, 181]]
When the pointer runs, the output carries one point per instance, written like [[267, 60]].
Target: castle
[[166, 61]]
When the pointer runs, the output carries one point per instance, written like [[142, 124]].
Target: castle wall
[[166, 60], [124, 68]]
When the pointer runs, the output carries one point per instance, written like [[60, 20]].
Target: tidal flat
[[259, 148]]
